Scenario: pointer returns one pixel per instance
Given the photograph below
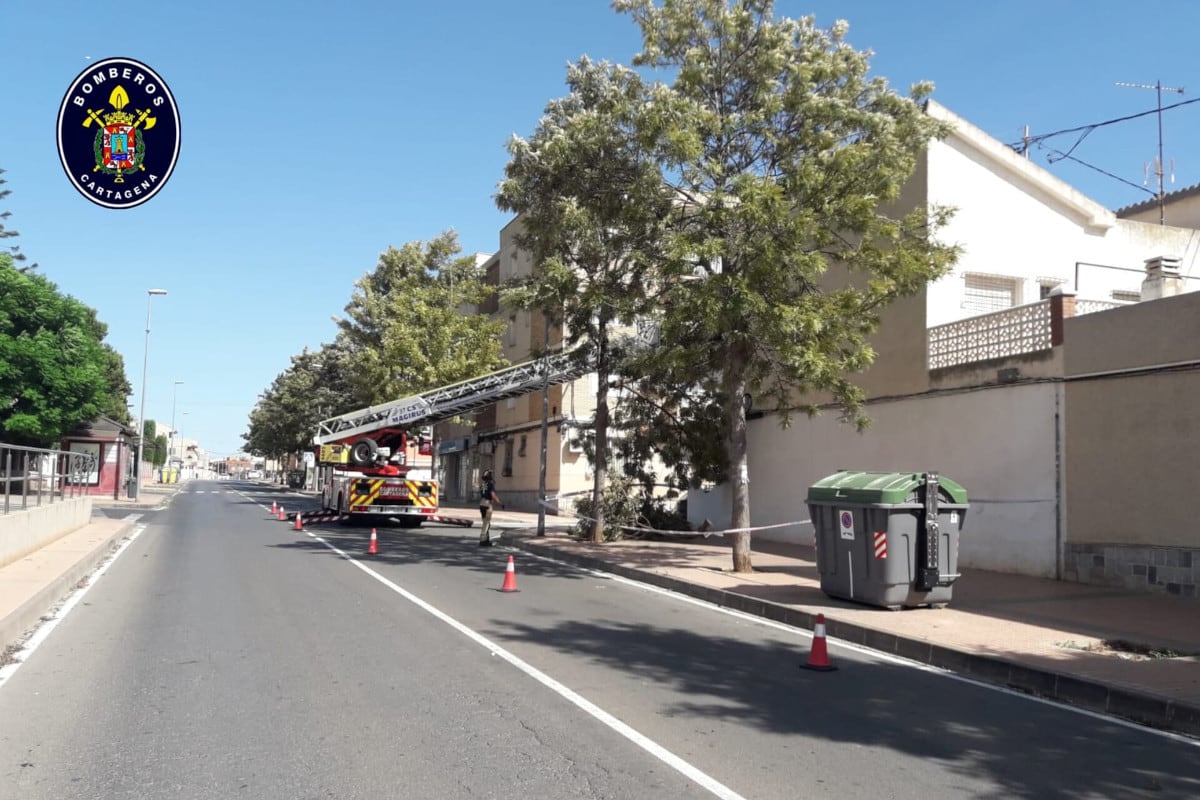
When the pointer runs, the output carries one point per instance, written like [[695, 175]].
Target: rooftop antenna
[[1158, 167]]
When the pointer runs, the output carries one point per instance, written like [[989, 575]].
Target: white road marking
[[876, 654], [44, 631], [710, 784]]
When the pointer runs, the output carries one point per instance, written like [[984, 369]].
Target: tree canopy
[[406, 326], [55, 369], [406, 329], [315, 386]]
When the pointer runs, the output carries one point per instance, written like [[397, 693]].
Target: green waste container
[[888, 539]]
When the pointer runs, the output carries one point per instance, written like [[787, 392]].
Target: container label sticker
[[953, 517], [846, 523]]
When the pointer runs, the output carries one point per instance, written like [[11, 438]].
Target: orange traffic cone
[[299, 526], [510, 577], [818, 659], [372, 548], [274, 509], [282, 516]]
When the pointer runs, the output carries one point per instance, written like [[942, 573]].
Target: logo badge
[[118, 133]]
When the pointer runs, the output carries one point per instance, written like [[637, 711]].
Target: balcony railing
[[1000, 334], [1021, 330]]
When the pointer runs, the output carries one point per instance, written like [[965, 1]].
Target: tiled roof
[[1146, 205]]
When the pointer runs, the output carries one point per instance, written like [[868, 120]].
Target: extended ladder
[[450, 401]]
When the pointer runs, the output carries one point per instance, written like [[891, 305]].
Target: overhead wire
[[1058, 155], [1022, 145]]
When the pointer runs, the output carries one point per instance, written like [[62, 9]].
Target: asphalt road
[[224, 655]]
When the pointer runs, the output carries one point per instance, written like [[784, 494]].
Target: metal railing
[[29, 474]]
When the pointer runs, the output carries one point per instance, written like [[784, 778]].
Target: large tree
[[406, 325], [14, 250], [55, 369], [783, 155], [591, 203], [314, 387], [155, 445]]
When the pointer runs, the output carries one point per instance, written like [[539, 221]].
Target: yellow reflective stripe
[[368, 498]]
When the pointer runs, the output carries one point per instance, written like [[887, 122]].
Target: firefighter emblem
[[104, 138]]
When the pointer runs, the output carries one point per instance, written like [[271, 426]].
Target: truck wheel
[[363, 452], [410, 522]]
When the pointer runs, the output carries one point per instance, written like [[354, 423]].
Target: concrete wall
[[1131, 474], [22, 532], [998, 442], [1131, 438]]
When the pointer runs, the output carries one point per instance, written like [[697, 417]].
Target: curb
[[14, 626], [1142, 708]]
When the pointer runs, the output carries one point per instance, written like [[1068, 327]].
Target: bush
[[627, 504]]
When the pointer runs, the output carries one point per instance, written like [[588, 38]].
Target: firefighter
[[488, 499]]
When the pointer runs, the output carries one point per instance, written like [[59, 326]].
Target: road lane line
[[710, 784], [44, 631]]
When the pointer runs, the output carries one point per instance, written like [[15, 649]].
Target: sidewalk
[[1039, 636], [32, 586]]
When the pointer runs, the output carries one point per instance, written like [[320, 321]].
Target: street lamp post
[[137, 482], [174, 434]]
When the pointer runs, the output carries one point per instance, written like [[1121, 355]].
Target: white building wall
[[998, 443], [1008, 226]]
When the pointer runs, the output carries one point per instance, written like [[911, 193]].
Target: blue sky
[[316, 134]]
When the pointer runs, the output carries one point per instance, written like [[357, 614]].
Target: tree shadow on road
[[1033, 750], [450, 547]]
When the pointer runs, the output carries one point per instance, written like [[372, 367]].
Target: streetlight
[[137, 483], [174, 435]]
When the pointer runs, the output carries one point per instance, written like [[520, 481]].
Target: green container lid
[[882, 488]]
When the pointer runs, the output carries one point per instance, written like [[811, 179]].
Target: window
[[521, 449], [512, 331], [1123, 296], [508, 458], [984, 293], [1048, 285]]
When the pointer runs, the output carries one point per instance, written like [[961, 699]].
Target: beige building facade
[[506, 437]]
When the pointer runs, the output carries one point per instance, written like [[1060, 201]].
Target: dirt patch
[[1122, 648], [9, 656]]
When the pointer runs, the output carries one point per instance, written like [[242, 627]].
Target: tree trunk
[[739, 465], [600, 470]]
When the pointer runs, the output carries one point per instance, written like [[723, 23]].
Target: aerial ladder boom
[[446, 402]]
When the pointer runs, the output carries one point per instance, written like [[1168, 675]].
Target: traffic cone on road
[[282, 516], [299, 526], [372, 548], [510, 577], [818, 659], [274, 509]]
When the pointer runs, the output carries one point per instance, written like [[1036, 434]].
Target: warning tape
[[671, 532], [452, 520], [314, 517]]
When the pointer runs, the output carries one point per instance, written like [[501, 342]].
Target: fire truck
[[371, 457]]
